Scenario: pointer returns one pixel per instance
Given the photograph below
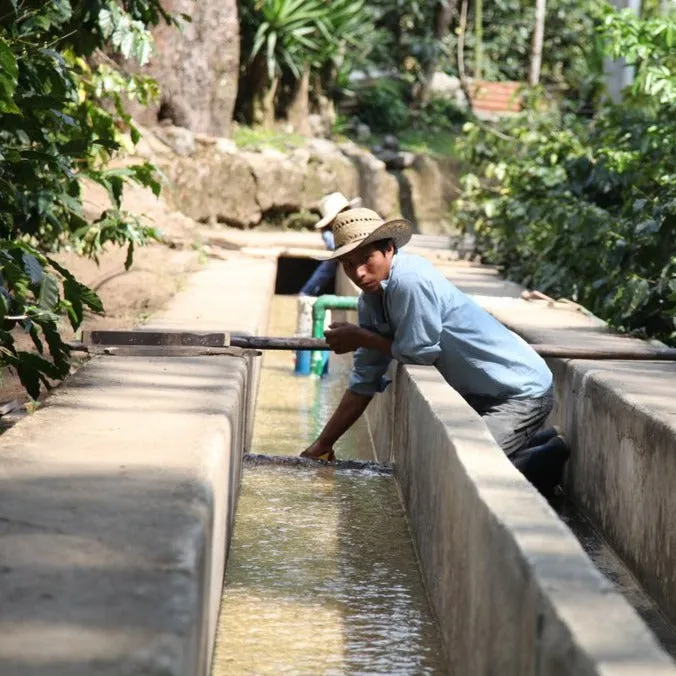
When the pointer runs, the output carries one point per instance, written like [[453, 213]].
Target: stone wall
[[212, 180]]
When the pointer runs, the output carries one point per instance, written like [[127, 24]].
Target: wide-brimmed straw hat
[[359, 227], [331, 205]]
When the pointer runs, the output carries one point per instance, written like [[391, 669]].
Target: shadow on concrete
[[98, 571]]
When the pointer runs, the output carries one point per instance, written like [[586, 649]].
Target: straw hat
[[331, 205], [358, 227]]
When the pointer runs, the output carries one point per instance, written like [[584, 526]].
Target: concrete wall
[[118, 498], [620, 419], [512, 588]]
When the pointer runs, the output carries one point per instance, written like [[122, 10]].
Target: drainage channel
[[322, 575], [615, 571]]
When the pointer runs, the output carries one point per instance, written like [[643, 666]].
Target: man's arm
[[349, 409]]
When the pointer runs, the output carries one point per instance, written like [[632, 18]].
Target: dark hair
[[383, 245]]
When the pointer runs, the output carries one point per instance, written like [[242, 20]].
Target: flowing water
[[322, 576]]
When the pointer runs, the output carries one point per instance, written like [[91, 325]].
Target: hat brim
[[398, 229], [323, 222]]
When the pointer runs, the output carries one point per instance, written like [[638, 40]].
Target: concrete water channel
[[119, 512], [322, 576]]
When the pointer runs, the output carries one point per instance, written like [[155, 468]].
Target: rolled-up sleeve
[[415, 312], [367, 376], [369, 367]]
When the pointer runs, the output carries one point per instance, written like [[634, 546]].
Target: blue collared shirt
[[432, 322], [327, 237]]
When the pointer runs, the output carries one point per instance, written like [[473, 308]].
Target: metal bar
[[156, 338], [167, 351], [217, 343]]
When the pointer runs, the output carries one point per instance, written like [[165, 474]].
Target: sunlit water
[[291, 409], [322, 576]]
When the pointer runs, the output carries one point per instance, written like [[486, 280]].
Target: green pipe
[[321, 305]]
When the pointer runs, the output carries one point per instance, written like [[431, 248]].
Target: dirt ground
[[129, 297]]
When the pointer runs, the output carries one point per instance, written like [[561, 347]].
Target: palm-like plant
[[288, 34], [278, 36], [294, 37]]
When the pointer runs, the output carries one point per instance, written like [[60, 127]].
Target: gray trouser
[[513, 421]]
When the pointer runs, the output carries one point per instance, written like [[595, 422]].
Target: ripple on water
[[323, 579]]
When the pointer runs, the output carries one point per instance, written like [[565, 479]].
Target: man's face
[[368, 266]]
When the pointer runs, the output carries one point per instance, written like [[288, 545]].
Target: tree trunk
[[442, 19], [464, 84], [538, 38], [263, 95], [299, 108], [479, 34]]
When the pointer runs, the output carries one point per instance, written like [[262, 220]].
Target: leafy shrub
[[586, 209], [61, 119], [382, 106], [584, 212], [439, 115]]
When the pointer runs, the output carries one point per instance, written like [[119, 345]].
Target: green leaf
[[32, 370], [35, 336], [33, 267], [9, 71], [49, 293]]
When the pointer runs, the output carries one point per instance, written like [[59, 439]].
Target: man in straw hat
[[408, 311], [329, 207]]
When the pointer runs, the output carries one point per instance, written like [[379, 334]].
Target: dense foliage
[[587, 209], [286, 39], [61, 122]]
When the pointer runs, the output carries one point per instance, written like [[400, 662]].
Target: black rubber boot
[[543, 465], [543, 436]]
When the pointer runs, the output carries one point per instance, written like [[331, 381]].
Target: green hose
[[321, 305]]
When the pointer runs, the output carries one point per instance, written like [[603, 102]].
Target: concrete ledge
[[513, 590], [620, 418], [117, 503], [118, 499]]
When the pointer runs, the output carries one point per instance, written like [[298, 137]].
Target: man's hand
[[343, 337], [319, 451]]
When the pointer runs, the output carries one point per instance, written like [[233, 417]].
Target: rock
[[150, 145], [391, 142], [224, 145], [362, 132], [317, 126], [443, 86], [426, 190], [328, 172], [213, 186], [322, 146], [279, 180], [196, 68], [396, 161], [179, 139], [407, 158], [378, 189]]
